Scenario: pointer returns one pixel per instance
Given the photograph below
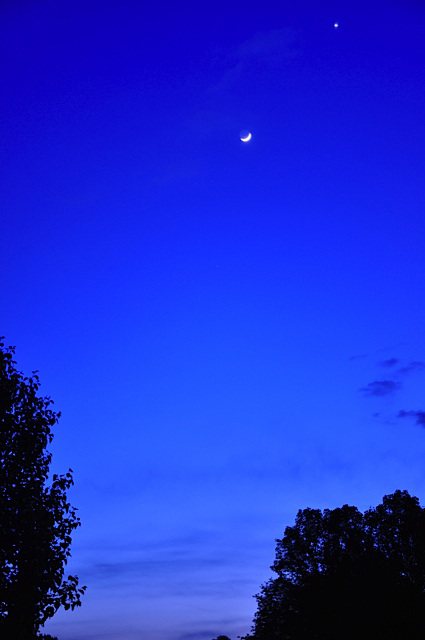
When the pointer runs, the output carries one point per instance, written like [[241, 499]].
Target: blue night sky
[[232, 331]]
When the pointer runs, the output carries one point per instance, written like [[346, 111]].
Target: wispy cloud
[[264, 49], [197, 565], [380, 388], [268, 47], [198, 635], [419, 416], [212, 628]]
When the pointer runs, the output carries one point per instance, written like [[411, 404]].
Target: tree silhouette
[[344, 574], [36, 519]]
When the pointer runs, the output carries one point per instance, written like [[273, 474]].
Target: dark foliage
[[36, 520], [344, 574]]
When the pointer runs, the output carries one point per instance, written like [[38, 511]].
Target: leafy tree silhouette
[[344, 574], [36, 519]]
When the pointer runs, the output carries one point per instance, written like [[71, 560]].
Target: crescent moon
[[247, 139]]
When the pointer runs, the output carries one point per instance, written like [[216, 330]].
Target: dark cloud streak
[[380, 388], [412, 367], [419, 416], [391, 362]]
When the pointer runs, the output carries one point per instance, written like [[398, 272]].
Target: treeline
[[343, 574], [36, 519]]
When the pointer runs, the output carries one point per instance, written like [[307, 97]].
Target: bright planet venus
[[245, 135]]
